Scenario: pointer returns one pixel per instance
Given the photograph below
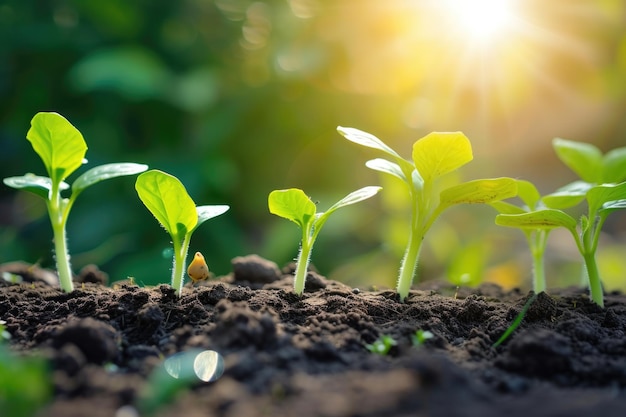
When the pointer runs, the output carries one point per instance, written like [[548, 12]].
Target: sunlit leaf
[[105, 172], [582, 158], [479, 191], [438, 153], [567, 196], [365, 139], [528, 193], [614, 166], [208, 212], [167, 199], [507, 208], [59, 144], [34, 184], [540, 219], [386, 166], [352, 198], [601, 194], [292, 204]]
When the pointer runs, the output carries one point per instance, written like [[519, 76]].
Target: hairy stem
[[409, 265], [595, 284], [538, 247], [62, 255], [180, 256], [302, 265]]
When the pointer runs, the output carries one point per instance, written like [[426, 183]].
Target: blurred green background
[[239, 97]]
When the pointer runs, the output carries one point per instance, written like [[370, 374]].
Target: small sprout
[[168, 201], [382, 345], [602, 186], [420, 337], [434, 155], [198, 269], [62, 149], [293, 204]]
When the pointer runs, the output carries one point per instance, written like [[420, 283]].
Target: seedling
[[382, 345], [602, 187], [168, 201], [293, 204], [420, 337], [62, 149], [434, 155], [537, 236]]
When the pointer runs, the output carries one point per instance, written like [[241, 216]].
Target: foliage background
[[240, 97]]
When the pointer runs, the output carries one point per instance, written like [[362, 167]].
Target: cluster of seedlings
[[602, 185]]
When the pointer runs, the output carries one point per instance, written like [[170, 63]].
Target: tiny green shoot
[[382, 345], [434, 155], [293, 204], [62, 149], [420, 337], [168, 201], [516, 322], [603, 187], [536, 236]]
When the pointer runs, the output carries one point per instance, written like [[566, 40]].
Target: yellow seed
[[198, 269]]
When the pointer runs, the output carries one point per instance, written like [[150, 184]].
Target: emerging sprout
[[420, 337], [293, 204], [167, 199], [434, 155], [62, 149], [382, 345]]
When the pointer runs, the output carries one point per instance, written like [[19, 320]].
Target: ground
[[286, 355]]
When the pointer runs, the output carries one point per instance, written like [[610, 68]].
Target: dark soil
[[305, 356]]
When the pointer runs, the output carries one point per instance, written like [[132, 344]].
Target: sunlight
[[481, 20]]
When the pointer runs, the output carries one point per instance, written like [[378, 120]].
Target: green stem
[[538, 247], [302, 265], [595, 284], [409, 264], [58, 218], [180, 256]]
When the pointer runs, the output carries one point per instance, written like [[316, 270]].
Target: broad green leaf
[[438, 153], [601, 194], [105, 172], [506, 208], [582, 158], [567, 196], [167, 199], [365, 139], [614, 166], [34, 184], [479, 191], [540, 219], [292, 204], [59, 144], [208, 212], [528, 193], [386, 166]]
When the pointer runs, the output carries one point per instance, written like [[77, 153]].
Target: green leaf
[[34, 184], [292, 204], [506, 208], [439, 153], [528, 193], [601, 194], [567, 196], [540, 219], [105, 172], [167, 199], [59, 144], [386, 166], [582, 158], [365, 139], [352, 198], [614, 166], [208, 212], [612, 206], [479, 191]]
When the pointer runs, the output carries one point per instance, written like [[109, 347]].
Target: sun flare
[[481, 20]]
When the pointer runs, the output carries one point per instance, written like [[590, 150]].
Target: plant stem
[[180, 256], [409, 265], [538, 246], [595, 285], [302, 265], [61, 255]]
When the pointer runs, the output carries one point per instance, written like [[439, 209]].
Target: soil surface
[[286, 355]]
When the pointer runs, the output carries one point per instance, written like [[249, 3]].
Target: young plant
[[604, 189], [168, 201], [537, 235], [382, 345], [62, 149], [293, 204], [434, 155], [420, 337]]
